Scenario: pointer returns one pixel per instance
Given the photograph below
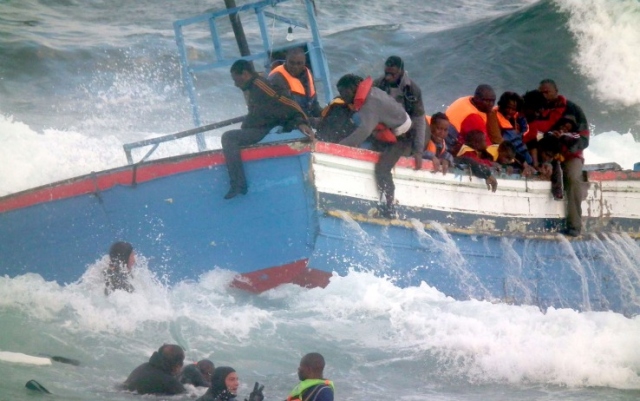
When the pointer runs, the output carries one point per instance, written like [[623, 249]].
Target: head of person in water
[[476, 139], [296, 61], [242, 72], [311, 366], [224, 383], [206, 368], [510, 104], [549, 90], [347, 87], [393, 69], [439, 127], [484, 98], [121, 256], [169, 358]]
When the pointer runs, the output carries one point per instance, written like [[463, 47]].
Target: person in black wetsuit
[[117, 274], [224, 387], [159, 375], [198, 374]]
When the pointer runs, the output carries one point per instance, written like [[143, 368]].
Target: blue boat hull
[[290, 228]]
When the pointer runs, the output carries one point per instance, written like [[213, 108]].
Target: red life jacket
[[550, 116], [381, 132]]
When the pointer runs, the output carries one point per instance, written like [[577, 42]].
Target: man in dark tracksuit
[[398, 85], [267, 109], [159, 375]]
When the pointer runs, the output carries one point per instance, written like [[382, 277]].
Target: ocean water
[[78, 79]]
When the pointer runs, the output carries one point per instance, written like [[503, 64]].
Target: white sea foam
[[608, 38], [360, 314]]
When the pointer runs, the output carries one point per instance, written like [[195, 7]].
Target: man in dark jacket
[[398, 85], [555, 112], [267, 109], [158, 376]]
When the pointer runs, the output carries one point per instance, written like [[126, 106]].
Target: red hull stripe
[[293, 273], [146, 172], [371, 156]]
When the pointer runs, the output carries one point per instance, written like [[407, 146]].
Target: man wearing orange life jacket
[[473, 113], [378, 113], [550, 119], [312, 386], [294, 79]]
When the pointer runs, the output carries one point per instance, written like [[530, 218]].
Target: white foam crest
[[83, 307], [483, 341], [478, 340], [612, 146], [608, 39], [29, 159]]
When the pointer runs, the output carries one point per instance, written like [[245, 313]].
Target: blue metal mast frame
[[189, 68]]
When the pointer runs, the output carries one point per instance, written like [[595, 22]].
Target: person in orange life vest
[[473, 113], [474, 155], [197, 374], [313, 386], [294, 79], [436, 149], [476, 148], [379, 112], [513, 126], [267, 109], [572, 146]]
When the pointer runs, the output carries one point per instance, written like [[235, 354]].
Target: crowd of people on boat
[[165, 374], [540, 133]]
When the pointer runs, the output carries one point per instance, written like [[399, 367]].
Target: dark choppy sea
[[80, 78]]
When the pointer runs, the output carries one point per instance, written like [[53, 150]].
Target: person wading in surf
[[159, 375], [312, 386]]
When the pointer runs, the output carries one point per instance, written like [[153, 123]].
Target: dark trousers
[[557, 180], [390, 154], [232, 142], [572, 170]]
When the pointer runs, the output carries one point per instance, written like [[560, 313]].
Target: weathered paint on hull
[[175, 211], [345, 181], [308, 214]]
